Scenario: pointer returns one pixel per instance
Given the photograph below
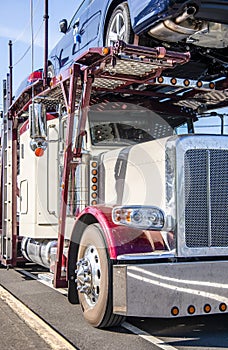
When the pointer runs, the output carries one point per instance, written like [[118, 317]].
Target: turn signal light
[[143, 217]]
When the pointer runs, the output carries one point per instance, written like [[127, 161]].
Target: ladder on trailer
[[8, 233], [6, 141]]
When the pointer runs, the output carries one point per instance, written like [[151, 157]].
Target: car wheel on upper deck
[[119, 26]]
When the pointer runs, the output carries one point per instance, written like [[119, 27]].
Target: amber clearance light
[[94, 180], [105, 50], [39, 152]]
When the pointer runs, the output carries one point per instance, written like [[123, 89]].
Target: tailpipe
[[188, 13]]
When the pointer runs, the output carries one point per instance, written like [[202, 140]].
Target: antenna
[[45, 78]]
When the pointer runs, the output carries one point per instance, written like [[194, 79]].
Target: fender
[[119, 240]]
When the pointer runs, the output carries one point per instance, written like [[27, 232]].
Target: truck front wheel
[[94, 279]]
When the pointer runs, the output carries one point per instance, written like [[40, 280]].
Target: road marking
[[52, 338], [148, 337]]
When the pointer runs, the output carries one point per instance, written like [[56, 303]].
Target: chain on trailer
[[125, 69]]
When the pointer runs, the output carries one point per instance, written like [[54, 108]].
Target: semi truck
[[109, 181]]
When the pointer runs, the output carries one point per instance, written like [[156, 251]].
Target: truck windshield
[[127, 127], [215, 124]]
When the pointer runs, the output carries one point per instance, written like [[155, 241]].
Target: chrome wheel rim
[[89, 275], [117, 29]]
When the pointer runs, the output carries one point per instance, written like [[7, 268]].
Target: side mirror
[[63, 26], [37, 121], [38, 128]]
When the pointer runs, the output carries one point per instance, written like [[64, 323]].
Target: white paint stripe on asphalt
[[148, 337], [52, 338]]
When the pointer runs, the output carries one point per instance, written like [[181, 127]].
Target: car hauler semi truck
[[106, 182]]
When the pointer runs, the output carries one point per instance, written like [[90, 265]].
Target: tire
[[94, 282], [119, 26]]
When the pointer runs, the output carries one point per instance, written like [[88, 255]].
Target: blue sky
[[15, 25]]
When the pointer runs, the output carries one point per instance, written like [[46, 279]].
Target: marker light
[[94, 180], [38, 146], [39, 152], [207, 308], [143, 217], [175, 311], [160, 80], [186, 82], [212, 85], [199, 84], [173, 81], [222, 307], [191, 309], [105, 50]]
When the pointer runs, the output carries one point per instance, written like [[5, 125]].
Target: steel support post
[[87, 87], [14, 196], [14, 163], [70, 99]]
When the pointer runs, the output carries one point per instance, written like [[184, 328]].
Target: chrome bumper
[[154, 290]]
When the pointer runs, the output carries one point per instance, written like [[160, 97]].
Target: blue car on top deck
[[198, 25]]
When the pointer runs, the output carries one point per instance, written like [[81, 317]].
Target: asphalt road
[[54, 310]]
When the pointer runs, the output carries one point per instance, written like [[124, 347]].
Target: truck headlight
[[143, 217]]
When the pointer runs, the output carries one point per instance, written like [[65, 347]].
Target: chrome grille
[[206, 198]]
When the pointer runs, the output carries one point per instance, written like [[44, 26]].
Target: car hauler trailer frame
[[127, 252]]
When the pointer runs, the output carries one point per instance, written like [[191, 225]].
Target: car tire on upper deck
[[119, 26]]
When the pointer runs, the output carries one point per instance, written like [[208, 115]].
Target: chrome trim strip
[[145, 256]]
